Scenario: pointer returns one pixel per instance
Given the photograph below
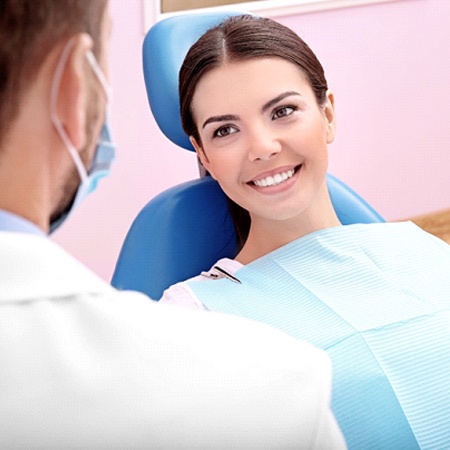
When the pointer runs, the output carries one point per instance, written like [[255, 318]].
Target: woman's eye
[[283, 112], [224, 131]]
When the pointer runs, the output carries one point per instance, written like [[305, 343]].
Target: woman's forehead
[[249, 78]]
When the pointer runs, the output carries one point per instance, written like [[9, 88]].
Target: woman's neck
[[266, 236]]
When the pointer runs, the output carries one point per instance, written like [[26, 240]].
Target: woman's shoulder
[[180, 294]]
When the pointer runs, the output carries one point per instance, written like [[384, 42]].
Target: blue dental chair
[[187, 228]]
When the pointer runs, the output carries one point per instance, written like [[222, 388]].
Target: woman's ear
[[73, 91], [330, 117], [201, 155]]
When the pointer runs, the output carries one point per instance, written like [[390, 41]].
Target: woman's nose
[[263, 146]]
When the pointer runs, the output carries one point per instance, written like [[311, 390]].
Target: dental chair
[[187, 228]]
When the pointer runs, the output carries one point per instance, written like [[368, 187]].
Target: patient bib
[[377, 299]]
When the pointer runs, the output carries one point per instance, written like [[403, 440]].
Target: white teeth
[[276, 179]]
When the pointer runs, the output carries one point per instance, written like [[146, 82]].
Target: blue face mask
[[100, 167], [105, 151]]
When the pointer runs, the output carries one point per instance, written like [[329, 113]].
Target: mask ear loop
[[53, 106]]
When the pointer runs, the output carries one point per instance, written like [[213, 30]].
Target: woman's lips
[[274, 179]]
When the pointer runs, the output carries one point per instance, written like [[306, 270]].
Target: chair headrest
[[164, 49]]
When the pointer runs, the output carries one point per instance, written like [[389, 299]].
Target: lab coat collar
[[33, 267], [12, 222]]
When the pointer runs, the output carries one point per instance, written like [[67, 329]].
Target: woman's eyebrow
[[220, 119], [277, 99]]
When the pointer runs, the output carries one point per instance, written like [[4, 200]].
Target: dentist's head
[[54, 91]]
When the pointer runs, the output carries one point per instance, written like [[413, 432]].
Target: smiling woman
[[260, 117], [266, 145], [256, 106]]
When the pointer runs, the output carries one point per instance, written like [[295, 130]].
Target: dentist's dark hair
[[29, 29], [240, 38]]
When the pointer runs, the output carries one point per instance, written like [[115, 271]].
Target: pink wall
[[389, 67]]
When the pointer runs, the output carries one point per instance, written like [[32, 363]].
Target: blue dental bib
[[377, 299]]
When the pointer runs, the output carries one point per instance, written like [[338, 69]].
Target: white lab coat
[[85, 366]]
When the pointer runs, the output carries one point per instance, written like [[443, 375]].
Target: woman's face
[[263, 136]]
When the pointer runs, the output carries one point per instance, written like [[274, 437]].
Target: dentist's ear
[[72, 92], [330, 117], [201, 155]]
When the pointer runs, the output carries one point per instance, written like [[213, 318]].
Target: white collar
[[13, 222]]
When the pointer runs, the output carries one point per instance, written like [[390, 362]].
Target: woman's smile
[[276, 180]]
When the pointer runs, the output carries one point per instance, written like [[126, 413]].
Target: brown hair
[[28, 31], [235, 39]]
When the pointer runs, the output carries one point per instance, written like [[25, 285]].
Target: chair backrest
[[187, 228], [163, 52]]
